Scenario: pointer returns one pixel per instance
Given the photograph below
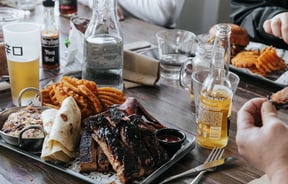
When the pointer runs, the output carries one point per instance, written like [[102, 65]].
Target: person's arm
[[262, 139], [160, 12], [251, 14]]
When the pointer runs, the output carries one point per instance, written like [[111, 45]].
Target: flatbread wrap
[[63, 135]]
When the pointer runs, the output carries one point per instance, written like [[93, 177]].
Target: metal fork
[[215, 154]]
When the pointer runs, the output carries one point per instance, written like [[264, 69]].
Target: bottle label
[[103, 53], [50, 51], [213, 112], [215, 132], [213, 119]]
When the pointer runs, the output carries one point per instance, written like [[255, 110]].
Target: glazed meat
[[92, 157], [280, 97], [126, 136], [87, 152], [131, 147]]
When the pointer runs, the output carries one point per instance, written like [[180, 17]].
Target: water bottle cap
[[48, 3]]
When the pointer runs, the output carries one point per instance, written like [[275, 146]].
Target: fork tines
[[215, 154]]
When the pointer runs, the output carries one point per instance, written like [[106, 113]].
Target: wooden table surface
[[166, 101]]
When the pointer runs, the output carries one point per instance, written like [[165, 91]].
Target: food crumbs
[[71, 128], [64, 117], [31, 178]]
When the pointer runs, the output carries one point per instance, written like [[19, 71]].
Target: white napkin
[[4, 86], [140, 70]]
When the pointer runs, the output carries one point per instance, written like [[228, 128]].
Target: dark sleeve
[[251, 15]]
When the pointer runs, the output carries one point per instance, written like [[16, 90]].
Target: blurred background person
[[265, 20], [160, 12], [262, 139]]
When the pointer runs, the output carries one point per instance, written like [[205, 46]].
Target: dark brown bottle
[[68, 8], [50, 38]]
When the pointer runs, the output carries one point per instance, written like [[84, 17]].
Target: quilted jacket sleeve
[[251, 15], [160, 12]]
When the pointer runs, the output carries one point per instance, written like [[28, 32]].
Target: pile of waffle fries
[[260, 62], [90, 99]]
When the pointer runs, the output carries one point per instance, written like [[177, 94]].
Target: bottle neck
[[49, 18], [217, 58], [104, 19], [104, 9], [221, 49]]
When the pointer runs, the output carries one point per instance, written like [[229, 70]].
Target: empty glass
[[174, 47]]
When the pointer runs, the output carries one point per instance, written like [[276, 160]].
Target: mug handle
[[20, 138], [186, 71], [29, 89]]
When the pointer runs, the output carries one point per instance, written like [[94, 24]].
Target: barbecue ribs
[[128, 140]]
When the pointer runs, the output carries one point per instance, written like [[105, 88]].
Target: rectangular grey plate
[[96, 177]]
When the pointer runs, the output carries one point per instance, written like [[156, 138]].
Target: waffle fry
[[109, 96], [246, 59], [270, 61], [90, 99], [262, 63]]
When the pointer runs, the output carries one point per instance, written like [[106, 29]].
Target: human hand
[[264, 146], [278, 26], [120, 13]]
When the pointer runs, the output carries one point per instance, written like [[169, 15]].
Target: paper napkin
[[140, 70]]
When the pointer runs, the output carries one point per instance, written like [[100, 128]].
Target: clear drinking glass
[[7, 15], [174, 47], [27, 5], [22, 41]]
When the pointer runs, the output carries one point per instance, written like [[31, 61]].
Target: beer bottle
[[50, 38], [216, 95]]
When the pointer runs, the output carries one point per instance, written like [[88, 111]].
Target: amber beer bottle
[[50, 38], [215, 96], [68, 8]]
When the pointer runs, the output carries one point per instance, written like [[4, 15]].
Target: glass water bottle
[[215, 96], [103, 46]]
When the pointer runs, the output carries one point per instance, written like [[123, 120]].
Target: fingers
[[284, 27], [267, 26], [250, 113], [273, 26], [268, 112], [278, 26], [120, 13]]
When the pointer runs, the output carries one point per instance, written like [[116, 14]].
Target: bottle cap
[[48, 3]]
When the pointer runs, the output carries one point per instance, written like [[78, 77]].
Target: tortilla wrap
[[61, 142]]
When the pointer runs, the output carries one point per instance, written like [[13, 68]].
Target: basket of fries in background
[[262, 62]]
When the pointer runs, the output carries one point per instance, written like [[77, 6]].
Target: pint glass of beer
[[22, 44]]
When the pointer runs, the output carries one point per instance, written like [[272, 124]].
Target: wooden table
[[166, 101]]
